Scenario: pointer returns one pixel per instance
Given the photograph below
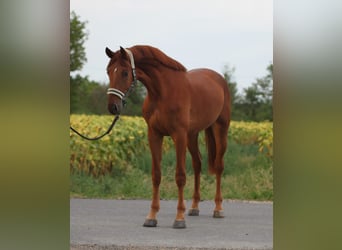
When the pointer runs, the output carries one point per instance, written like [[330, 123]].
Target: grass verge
[[248, 175]]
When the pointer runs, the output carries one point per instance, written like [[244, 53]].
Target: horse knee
[[156, 183], [156, 179], [180, 179]]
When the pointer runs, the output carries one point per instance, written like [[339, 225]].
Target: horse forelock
[[151, 55]]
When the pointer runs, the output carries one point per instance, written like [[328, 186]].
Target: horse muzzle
[[115, 107]]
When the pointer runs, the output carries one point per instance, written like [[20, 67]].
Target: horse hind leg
[[220, 131], [196, 165]]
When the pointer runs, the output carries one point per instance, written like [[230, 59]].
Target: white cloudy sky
[[197, 33]]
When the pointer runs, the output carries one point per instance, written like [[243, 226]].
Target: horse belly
[[207, 98]]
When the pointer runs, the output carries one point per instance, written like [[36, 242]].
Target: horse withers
[[179, 104]]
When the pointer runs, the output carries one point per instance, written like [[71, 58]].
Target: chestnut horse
[[179, 103]]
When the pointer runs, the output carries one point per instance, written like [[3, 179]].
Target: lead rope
[[119, 94], [97, 137]]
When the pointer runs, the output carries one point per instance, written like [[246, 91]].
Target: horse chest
[[156, 121], [165, 121]]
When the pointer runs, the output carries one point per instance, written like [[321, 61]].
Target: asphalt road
[[117, 224]]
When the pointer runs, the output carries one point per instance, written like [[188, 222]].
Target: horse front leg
[[155, 143], [180, 141], [196, 165]]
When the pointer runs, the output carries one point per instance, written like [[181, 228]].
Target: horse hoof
[[179, 224], [193, 212], [150, 223], [218, 214]]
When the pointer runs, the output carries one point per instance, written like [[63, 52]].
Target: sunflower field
[[128, 142]]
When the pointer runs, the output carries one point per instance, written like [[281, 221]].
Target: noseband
[[119, 93]]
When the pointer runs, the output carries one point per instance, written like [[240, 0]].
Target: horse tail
[[211, 147]]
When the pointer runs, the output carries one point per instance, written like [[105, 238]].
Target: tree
[[79, 87], [81, 92], [251, 102], [78, 36], [97, 101], [228, 74], [257, 104]]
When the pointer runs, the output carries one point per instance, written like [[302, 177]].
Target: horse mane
[[144, 54]]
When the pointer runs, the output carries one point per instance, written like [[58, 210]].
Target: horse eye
[[124, 73]]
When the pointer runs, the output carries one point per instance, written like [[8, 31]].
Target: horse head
[[121, 73]]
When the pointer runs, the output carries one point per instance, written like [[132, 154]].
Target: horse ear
[[123, 52], [109, 53]]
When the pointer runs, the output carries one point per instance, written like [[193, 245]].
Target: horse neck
[[154, 79]]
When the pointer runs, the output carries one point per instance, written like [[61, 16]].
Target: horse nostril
[[115, 109]]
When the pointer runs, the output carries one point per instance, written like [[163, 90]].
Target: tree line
[[89, 97], [255, 103]]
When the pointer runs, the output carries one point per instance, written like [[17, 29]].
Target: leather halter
[[119, 93]]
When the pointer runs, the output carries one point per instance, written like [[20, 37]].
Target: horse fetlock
[[218, 199], [154, 209]]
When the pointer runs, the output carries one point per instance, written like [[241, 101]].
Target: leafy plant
[[128, 144]]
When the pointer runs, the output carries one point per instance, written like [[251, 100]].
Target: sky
[[197, 33]]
